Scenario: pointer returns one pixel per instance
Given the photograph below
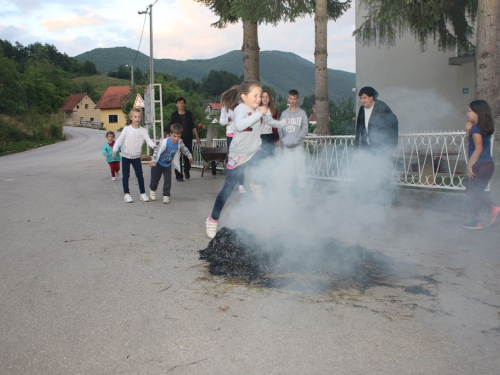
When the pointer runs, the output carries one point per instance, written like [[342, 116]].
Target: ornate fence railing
[[427, 160]]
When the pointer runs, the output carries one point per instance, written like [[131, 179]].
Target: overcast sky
[[181, 30]]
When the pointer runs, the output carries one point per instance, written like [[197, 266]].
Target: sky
[[181, 30]]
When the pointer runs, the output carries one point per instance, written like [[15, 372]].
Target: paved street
[[92, 285]]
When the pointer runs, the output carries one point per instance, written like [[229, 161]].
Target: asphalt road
[[92, 285]]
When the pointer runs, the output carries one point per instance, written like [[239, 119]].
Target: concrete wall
[[422, 89], [105, 113]]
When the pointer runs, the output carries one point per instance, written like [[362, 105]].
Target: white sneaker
[[128, 198], [117, 174], [113, 179], [152, 195], [166, 199], [144, 197], [211, 227], [242, 189]]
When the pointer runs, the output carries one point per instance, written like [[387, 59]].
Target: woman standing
[[268, 133], [480, 167]]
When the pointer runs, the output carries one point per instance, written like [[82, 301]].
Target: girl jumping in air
[[131, 139], [480, 166], [245, 147]]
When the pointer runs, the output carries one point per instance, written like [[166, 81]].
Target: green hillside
[[282, 70], [100, 82]]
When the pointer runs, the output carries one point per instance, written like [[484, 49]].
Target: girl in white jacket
[[131, 140]]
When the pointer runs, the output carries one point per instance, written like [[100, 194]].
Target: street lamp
[[131, 66]]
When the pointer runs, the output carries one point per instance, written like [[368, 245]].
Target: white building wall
[[422, 89]]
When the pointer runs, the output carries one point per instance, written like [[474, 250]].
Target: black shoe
[[187, 175], [180, 179]]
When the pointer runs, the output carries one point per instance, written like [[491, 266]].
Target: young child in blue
[[107, 151], [167, 154]]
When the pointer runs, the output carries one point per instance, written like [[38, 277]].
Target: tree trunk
[[320, 68], [250, 50], [488, 74], [488, 54]]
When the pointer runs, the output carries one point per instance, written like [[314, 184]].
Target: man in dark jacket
[[185, 118], [377, 126], [377, 135]]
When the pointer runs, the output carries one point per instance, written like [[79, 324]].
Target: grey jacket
[[182, 148]]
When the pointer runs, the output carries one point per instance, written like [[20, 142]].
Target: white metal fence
[[426, 160]]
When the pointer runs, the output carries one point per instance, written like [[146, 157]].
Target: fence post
[[211, 135]]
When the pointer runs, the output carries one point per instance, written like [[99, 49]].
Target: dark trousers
[[232, 178], [268, 143], [115, 167], [136, 164], [241, 180], [184, 160], [475, 188], [156, 172]]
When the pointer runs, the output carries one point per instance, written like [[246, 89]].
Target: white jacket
[[224, 120], [131, 141], [175, 162]]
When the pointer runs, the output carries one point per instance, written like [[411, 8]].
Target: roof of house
[[113, 97], [312, 118], [72, 101], [216, 106]]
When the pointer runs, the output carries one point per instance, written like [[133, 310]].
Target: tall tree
[[320, 67], [451, 24]]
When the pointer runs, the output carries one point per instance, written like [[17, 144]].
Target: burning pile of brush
[[239, 254]]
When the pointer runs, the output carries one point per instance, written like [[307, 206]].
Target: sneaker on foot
[[187, 175], [152, 195], [474, 224], [495, 217], [144, 197], [166, 199], [211, 227], [128, 198], [242, 189], [117, 174], [113, 179]]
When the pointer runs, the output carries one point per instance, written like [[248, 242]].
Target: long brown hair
[[271, 102], [484, 118], [230, 98]]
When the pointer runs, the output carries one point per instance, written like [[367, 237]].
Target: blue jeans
[[136, 164], [232, 178]]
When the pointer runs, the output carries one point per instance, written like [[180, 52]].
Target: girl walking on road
[[480, 166], [107, 151], [131, 139]]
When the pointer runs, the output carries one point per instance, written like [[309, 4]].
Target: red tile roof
[[312, 117], [73, 101], [216, 106], [113, 97]]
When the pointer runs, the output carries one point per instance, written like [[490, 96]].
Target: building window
[[91, 119], [112, 119], [86, 106], [77, 107]]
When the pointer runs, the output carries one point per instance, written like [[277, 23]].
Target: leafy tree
[[188, 84], [218, 81], [451, 23], [46, 87], [342, 116], [88, 68], [11, 90]]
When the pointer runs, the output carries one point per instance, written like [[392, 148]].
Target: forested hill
[[282, 70]]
